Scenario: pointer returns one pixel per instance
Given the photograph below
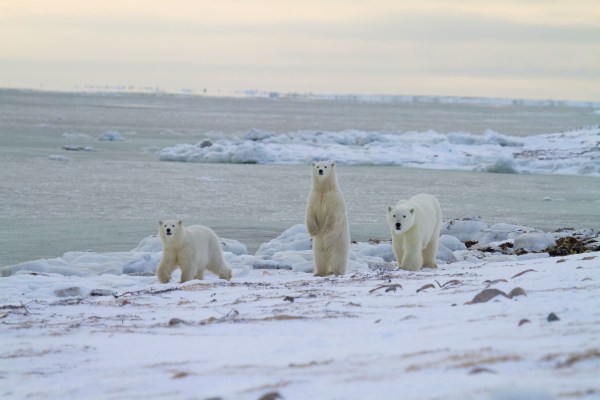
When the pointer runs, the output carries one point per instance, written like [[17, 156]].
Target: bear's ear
[[412, 210], [333, 163], [389, 209], [180, 222], [314, 163], [159, 222]]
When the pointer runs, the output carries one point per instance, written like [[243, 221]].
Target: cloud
[[351, 44]]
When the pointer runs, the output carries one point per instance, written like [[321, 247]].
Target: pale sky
[[515, 49]]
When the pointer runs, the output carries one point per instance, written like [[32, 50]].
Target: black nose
[[320, 172], [168, 230], [398, 225]]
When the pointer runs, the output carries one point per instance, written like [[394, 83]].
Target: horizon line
[[294, 95]]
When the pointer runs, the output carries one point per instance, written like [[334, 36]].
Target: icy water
[[110, 199]]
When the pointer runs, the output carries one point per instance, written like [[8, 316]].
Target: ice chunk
[[111, 136]]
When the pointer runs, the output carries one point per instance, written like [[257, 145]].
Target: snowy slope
[[78, 331]]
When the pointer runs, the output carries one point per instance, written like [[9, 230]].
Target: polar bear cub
[[327, 221], [415, 227], [194, 249]]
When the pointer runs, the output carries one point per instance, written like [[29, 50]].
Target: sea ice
[[111, 136], [573, 152]]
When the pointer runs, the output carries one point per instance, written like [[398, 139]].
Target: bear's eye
[[394, 216], [404, 216]]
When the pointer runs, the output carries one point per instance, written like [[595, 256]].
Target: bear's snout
[[398, 226], [168, 231], [320, 172]]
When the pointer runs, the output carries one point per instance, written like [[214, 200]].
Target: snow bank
[[469, 239], [570, 153]]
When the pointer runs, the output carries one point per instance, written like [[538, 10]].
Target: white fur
[[194, 249], [415, 238], [327, 221]]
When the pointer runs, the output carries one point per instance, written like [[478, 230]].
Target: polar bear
[[193, 248], [415, 227], [327, 221]]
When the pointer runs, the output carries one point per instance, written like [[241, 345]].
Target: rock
[[205, 143], [102, 292], [111, 136], [270, 264], [68, 292], [552, 317], [58, 157]]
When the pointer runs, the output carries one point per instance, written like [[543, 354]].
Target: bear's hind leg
[[200, 274], [430, 253], [321, 267], [220, 269], [188, 273], [337, 262]]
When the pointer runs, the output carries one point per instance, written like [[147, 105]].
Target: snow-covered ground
[[571, 153], [500, 319]]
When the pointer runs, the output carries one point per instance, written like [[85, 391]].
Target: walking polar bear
[[415, 227], [327, 221], [194, 249]]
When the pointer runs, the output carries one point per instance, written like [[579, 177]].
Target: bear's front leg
[[330, 221], [430, 253], [311, 226], [188, 273], [165, 269], [412, 260]]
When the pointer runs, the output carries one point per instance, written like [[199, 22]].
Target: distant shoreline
[[341, 97]]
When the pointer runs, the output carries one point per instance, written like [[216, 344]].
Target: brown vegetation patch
[[488, 294], [571, 245], [310, 364], [388, 288], [522, 273], [578, 357], [471, 243], [473, 360]]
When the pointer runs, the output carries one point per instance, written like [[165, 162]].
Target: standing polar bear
[[415, 226], [194, 249], [327, 221]]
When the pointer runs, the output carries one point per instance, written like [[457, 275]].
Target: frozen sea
[[63, 189]]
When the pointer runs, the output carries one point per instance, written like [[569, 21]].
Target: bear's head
[[323, 170], [400, 218], [169, 230]]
